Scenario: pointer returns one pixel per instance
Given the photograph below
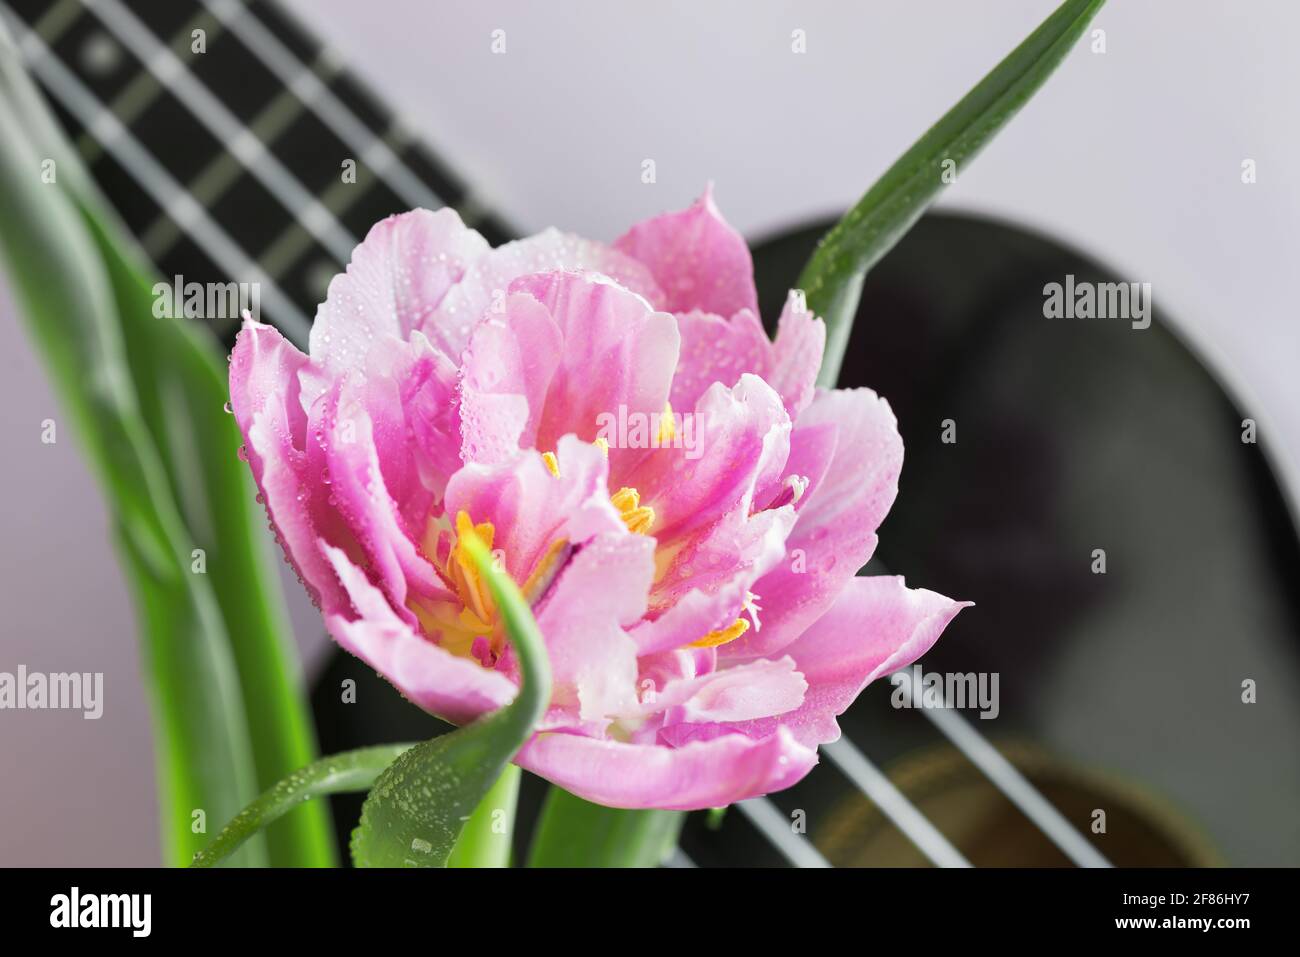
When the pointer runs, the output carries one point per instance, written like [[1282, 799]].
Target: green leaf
[[419, 806], [64, 294], [337, 774], [576, 833], [832, 279], [486, 839], [152, 424], [181, 380]]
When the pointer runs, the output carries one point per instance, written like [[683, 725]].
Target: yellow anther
[[552, 463], [715, 638], [464, 573], [602, 444], [637, 517], [667, 426]]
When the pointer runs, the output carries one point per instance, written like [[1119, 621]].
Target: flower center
[[637, 517]]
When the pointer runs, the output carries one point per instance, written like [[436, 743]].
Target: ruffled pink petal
[[426, 382], [796, 355], [699, 261], [508, 369], [397, 277], [876, 626], [756, 689], [741, 439], [618, 354], [715, 349], [593, 661], [483, 289], [264, 377], [704, 582], [531, 509], [359, 494], [453, 688], [835, 532], [700, 775]]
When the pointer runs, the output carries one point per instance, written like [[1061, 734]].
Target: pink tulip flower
[[683, 509]]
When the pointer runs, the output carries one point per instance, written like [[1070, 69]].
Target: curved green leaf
[[420, 805], [832, 279], [337, 774], [216, 644], [66, 298]]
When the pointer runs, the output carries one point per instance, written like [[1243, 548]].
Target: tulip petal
[[602, 588], [618, 354], [360, 496], [835, 532], [508, 368], [397, 277], [715, 349], [754, 690], [531, 509], [876, 626], [796, 355], [453, 688], [698, 775], [482, 290], [264, 378], [697, 259]]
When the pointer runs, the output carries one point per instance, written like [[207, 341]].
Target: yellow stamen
[[603, 444], [464, 573], [552, 463], [540, 578], [715, 638], [667, 426], [637, 517]]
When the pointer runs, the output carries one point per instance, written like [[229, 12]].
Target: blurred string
[[314, 94], [1003, 774], [245, 145], [115, 138]]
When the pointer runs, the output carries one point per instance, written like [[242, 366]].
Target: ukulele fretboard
[[231, 142]]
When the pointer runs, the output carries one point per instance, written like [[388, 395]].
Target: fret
[[149, 173], [342, 106], [95, 56], [141, 88], [224, 171], [171, 19], [209, 110], [286, 27], [295, 112], [242, 81]]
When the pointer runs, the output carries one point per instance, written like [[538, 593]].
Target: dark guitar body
[[1119, 692]]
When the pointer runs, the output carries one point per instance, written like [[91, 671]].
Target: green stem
[[485, 842], [576, 833]]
